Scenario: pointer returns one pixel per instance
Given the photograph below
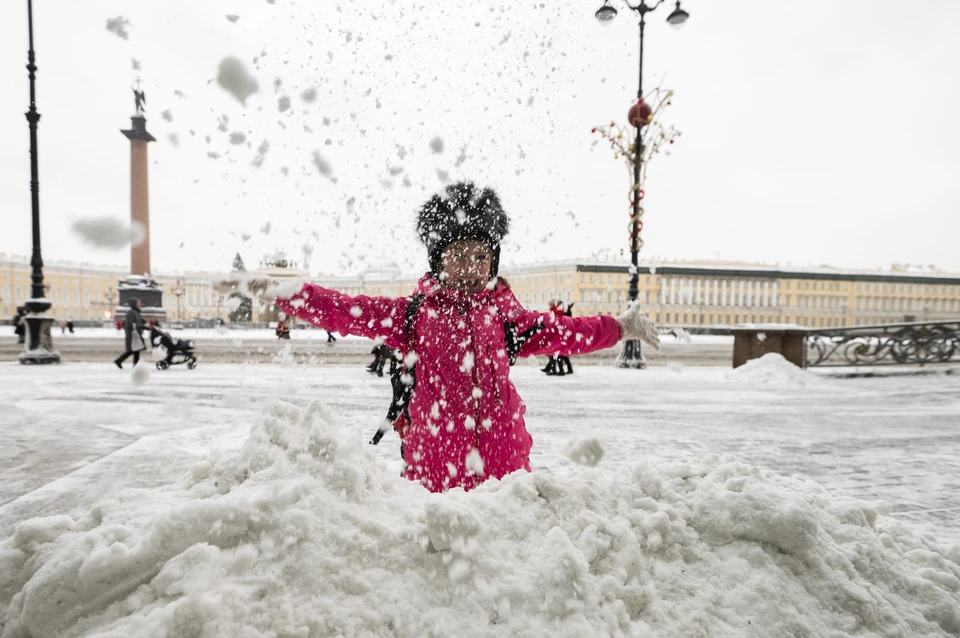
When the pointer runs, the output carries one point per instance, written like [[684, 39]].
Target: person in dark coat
[[556, 308], [133, 326], [330, 337], [381, 354], [19, 325], [563, 359]]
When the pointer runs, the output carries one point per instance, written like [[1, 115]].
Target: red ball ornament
[[639, 114]]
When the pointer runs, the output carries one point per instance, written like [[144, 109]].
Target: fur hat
[[466, 213]]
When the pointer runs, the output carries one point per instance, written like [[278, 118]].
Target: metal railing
[[918, 343]]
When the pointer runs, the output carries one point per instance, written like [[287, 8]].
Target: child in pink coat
[[464, 422]]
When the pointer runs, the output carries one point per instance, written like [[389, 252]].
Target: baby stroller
[[178, 350]]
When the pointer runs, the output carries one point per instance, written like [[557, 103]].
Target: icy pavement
[[72, 434]]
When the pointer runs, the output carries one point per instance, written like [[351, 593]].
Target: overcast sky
[[812, 134]]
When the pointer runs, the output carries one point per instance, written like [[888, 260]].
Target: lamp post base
[[631, 356], [39, 342]]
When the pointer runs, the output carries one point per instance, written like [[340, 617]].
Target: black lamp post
[[631, 355], [39, 342]]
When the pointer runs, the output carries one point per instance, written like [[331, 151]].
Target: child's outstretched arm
[[579, 335], [370, 317]]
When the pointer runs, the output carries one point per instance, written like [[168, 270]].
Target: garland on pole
[[646, 114]]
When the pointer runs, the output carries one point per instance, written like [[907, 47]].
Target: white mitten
[[634, 325]]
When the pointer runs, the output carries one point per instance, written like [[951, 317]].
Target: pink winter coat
[[466, 418]]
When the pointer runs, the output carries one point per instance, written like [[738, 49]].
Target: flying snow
[[118, 27], [140, 374], [322, 164], [261, 153], [109, 232], [583, 450], [436, 145], [237, 138], [234, 78], [233, 18], [309, 96]]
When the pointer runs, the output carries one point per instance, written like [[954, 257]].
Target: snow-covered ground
[[280, 520]]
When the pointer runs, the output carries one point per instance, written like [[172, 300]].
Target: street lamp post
[[178, 291], [109, 296], [631, 355], [39, 342]]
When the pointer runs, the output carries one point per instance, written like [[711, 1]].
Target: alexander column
[[139, 284]]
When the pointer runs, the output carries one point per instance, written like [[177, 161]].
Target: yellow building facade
[[723, 295], [88, 292]]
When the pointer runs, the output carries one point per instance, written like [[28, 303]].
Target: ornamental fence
[[917, 343]]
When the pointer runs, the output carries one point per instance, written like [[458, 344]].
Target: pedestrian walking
[[20, 324], [133, 326]]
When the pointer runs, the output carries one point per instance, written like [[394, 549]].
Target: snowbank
[[771, 369], [306, 533]]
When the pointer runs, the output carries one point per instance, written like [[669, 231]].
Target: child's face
[[466, 266]]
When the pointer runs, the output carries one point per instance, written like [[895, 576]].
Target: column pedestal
[[37, 339]]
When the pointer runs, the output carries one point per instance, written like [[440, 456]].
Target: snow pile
[[306, 532], [108, 232], [771, 369]]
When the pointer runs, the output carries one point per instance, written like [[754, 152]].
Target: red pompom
[[639, 114]]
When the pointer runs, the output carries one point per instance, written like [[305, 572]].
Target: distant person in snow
[[20, 324], [133, 326], [556, 364], [381, 354], [564, 360], [283, 330], [330, 337], [459, 334]]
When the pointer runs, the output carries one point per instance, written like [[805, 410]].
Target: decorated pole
[[640, 116]]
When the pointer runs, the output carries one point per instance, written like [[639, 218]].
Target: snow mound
[[771, 369], [306, 532]]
